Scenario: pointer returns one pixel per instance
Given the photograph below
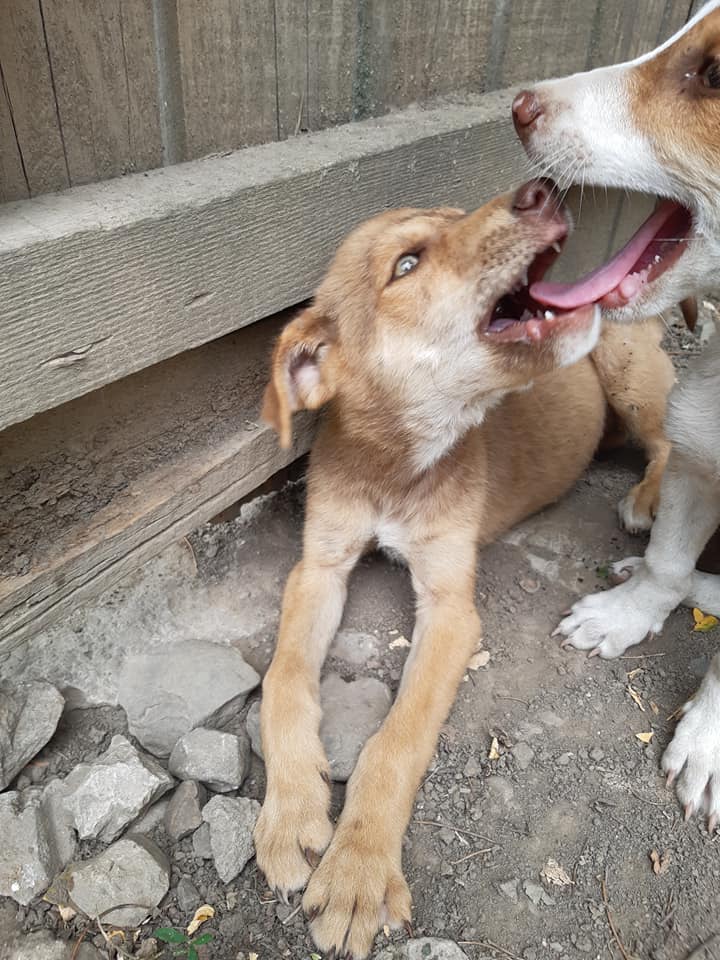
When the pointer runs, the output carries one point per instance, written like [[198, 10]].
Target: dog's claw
[[688, 811], [408, 929], [312, 913], [566, 613], [670, 778], [556, 632], [312, 857], [595, 652], [713, 822], [324, 775]]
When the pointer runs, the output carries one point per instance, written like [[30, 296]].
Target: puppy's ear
[[302, 375]]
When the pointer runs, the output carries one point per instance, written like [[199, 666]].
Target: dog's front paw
[[607, 624], [292, 832], [637, 509], [692, 761], [354, 892]]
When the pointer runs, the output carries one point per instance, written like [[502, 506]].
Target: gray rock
[[37, 842], [153, 817], [430, 948], [524, 754], [104, 796], [131, 871], [537, 894], [41, 946], [183, 814], [29, 714], [232, 822], [252, 725], [352, 712], [187, 895], [354, 647], [509, 889], [221, 760], [201, 842], [184, 685]]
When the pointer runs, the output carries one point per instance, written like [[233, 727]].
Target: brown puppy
[[453, 411]]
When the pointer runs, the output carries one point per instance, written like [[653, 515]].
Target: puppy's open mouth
[[520, 317], [654, 248]]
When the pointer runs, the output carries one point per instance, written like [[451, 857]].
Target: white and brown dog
[[455, 406], [653, 125]]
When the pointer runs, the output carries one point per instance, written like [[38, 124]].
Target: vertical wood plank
[[545, 38], [291, 61], [227, 55], [624, 30], [13, 185], [106, 85], [30, 98], [333, 27], [412, 50]]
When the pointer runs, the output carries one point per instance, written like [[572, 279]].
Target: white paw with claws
[[692, 761], [607, 624]]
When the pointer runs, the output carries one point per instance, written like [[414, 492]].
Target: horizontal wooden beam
[[100, 281], [106, 481]]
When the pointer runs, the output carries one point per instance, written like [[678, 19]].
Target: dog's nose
[[526, 109], [537, 197]]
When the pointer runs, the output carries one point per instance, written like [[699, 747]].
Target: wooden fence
[[136, 312], [93, 89]]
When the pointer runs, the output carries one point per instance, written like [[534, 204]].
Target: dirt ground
[[573, 783]]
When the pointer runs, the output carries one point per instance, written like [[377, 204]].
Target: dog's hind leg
[[637, 377], [359, 885], [293, 828]]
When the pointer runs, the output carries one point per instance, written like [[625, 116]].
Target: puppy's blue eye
[[406, 264]]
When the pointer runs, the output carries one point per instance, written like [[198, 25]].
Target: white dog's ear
[[302, 371]]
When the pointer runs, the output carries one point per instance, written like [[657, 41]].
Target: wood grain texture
[[624, 30], [99, 486], [13, 185], [291, 60], [103, 67], [105, 280], [227, 55], [412, 50], [30, 97], [543, 38], [332, 51]]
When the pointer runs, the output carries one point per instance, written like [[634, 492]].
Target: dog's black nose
[[526, 109], [538, 197]]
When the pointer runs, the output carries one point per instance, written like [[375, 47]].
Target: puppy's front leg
[[608, 623], [359, 885], [293, 828]]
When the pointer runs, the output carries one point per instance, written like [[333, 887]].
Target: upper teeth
[[556, 247], [548, 315]]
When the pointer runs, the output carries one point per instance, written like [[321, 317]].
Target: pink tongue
[[600, 282]]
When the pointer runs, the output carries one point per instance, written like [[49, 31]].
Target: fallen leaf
[[479, 659], [203, 913], [660, 862], [400, 641], [634, 673], [645, 737], [494, 751], [676, 714], [254, 956], [113, 934], [703, 621], [654, 707], [553, 873], [67, 913], [636, 697]]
